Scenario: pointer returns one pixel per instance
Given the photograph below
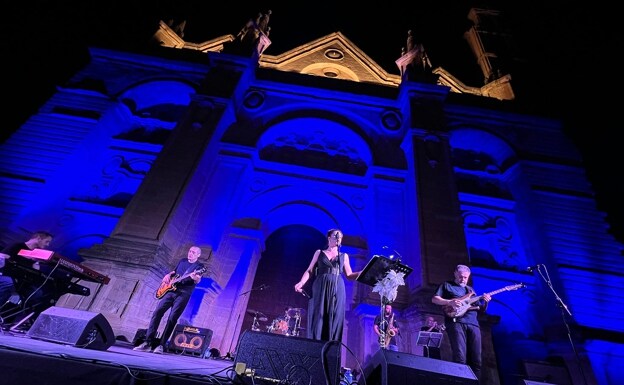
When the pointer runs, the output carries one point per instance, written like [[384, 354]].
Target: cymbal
[[293, 312], [259, 315]]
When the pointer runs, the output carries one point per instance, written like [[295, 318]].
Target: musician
[[386, 329], [283, 323], [463, 330], [176, 298], [327, 306], [431, 325], [291, 322], [32, 295]]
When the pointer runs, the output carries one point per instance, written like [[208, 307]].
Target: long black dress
[[326, 311]]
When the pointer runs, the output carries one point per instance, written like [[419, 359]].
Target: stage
[[29, 361], [263, 359]]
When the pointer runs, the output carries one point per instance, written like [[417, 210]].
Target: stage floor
[[30, 361], [272, 359]]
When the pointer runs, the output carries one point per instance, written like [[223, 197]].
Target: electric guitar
[[167, 287], [468, 301]]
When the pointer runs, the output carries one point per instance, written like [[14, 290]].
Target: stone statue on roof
[[410, 41], [263, 21]]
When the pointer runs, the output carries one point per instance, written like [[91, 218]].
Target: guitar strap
[[189, 269]]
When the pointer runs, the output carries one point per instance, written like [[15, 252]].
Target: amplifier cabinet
[[191, 340]]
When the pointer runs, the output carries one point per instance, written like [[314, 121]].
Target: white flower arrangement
[[388, 286]]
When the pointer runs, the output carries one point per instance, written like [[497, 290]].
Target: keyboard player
[[18, 288]]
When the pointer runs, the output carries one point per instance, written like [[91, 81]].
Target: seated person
[[431, 325], [32, 295]]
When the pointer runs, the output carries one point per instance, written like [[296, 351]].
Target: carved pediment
[[332, 56], [335, 56]]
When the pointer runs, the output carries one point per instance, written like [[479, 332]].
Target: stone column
[[141, 248]]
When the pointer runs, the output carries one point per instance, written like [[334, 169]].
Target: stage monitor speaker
[[270, 358], [79, 328], [546, 372], [395, 368], [190, 340]]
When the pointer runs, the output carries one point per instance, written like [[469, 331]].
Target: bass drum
[[279, 326]]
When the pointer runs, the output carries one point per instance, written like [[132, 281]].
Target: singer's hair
[[462, 268], [331, 232]]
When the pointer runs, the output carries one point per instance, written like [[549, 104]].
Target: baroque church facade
[[254, 156]]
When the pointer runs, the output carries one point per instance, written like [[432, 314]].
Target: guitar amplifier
[[190, 340]]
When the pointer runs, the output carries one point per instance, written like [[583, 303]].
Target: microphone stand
[[229, 353], [261, 287], [564, 311]]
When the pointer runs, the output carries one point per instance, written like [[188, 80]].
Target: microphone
[[530, 269], [338, 240], [303, 292], [263, 286]]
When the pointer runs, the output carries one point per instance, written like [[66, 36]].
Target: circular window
[[334, 54], [391, 120], [330, 72], [253, 99]]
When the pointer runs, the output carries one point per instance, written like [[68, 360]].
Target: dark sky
[[570, 53]]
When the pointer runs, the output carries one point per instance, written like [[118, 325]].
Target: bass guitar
[[469, 300], [167, 287]]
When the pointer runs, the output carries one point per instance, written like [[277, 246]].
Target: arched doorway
[[287, 254]]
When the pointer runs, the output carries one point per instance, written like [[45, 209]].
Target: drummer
[[285, 316], [288, 321], [288, 324], [280, 325]]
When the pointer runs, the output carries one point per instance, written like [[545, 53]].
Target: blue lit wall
[[300, 167]]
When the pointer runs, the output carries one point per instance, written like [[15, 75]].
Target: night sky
[[569, 54]]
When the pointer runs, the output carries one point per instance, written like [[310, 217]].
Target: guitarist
[[463, 331], [175, 299]]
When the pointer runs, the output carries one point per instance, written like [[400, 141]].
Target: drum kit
[[289, 324], [257, 317]]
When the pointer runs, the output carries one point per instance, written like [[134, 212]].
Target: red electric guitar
[[167, 287]]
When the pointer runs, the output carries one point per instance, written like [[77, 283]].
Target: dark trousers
[[465, 343], [19, 300], [6, 289], [176, 301], [431, 352]]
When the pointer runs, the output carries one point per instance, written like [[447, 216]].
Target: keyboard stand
[[16, 328]]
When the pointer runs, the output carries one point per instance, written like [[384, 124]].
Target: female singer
[[327, 306]]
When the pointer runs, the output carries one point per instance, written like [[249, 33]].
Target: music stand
[[377, 268], [429, 339]]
